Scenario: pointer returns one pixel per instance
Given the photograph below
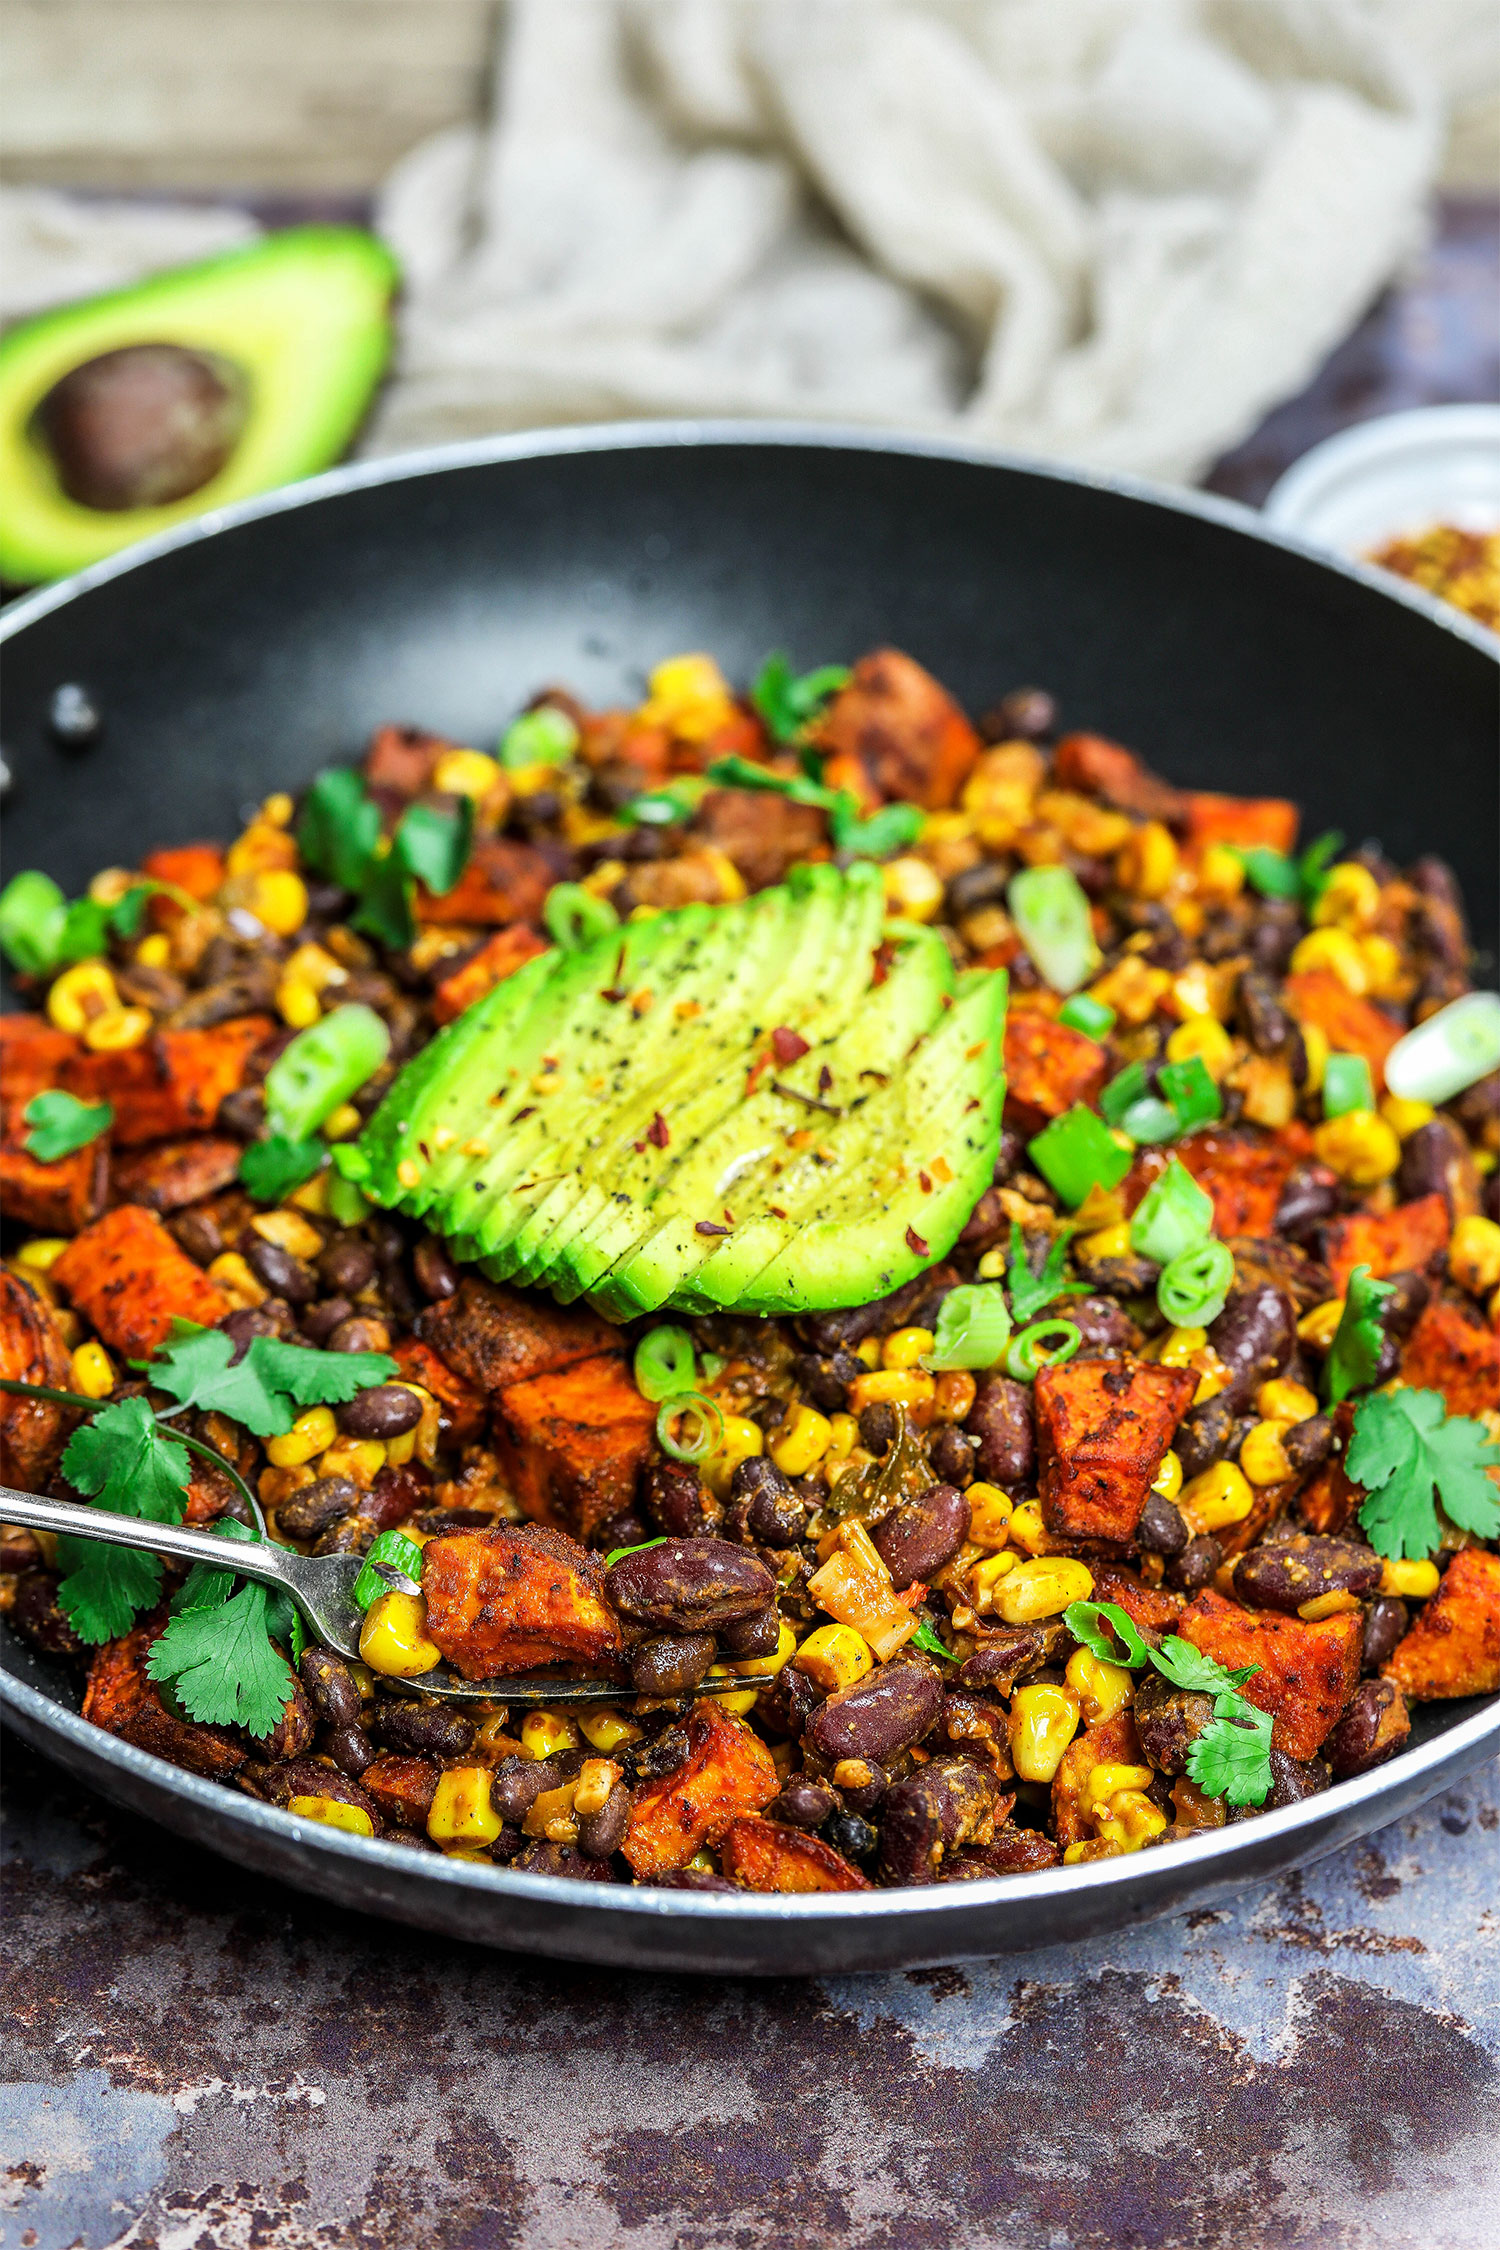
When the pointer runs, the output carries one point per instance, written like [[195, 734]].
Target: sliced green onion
[[1095, 1018], [1024, 1355], [1077, 1151], [1269, 872], [663, 808], [1173, 1215], [1190, 1089], [1051, 912], [33, 912], [1192, 1289], [705, 1427], [1106, 1631], [1315, 865], [664, 1363], [544, 737], [322, 1067], [1151, 1121], [1346, 1085], [1122, 1092], [344, 1203], [973, 1327], [397, 1552], [574, 917], [926, 1637], [1451, 1050]]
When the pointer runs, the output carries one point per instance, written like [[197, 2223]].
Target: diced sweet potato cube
[[55, 1198], [763, 834], [503, 882], [765, 1855], [727, 1771], [32, 1055], [500, 1601], [1048, 1067], [1113, 1742], [32, 1430], [1450, 1350], [907, 732], [1244, 1171], [1106, 769], [128, 1278], [1331, 1499], [1454, 1647], [1245, 821], [172, 1174], [403, 1788], [401, 759], [124, 1702], [498, 958], [1103, 1426], [492, 1337], [1353, 1026], [1154, 1608], [579, 1438], [463, 1408], [197, 869], [1405, 1240], [1307, 1672], [173, 1083]]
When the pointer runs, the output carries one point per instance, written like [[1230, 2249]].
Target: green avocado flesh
[[303, 320], [579, 1127]]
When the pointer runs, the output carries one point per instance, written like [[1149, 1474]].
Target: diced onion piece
[[1051, 912]]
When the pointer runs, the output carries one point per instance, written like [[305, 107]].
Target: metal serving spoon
[[322, 1586]]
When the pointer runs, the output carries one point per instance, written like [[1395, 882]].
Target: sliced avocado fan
[[785, 1104], [251, 369]]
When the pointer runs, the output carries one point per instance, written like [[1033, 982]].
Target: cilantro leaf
[[1188, 1668], [434, 846], [640, 1547], [743, 773], [385, 896], [314, 1378], [204, 1587], [194, 1368], [1269, 872], [1029, 1291], [221, 1665], [339, 827], [120, 1458], [105, 1588], [271, 1169], [1231, 1758], [1406, 1449], [926, 1637], [60, 1123], [1313, 867], [1354, 1356], [886, 831], [787, 701]]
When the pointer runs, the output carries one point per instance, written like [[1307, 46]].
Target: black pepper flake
[[656, 1132], [973, 1103], [825, 1079], [520, 1113], [914, 1242], [708, 1226]]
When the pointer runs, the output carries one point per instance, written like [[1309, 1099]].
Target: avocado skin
[[302, 318]]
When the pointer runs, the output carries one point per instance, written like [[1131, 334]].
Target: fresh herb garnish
[[1231, 1758], [1275, 875], [789, 701], [1354, 1356], [1406, 1449], [887, 830], [40, 931], [1106, 1631], [925, 1637], [218, 1659], [389, 1551], [1029, 1292], [339, 836], [269, 1386], [128, 1465], [271, 1170], [60, 1124]]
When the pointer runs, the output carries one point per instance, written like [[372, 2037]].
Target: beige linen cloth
[[1111, 231]]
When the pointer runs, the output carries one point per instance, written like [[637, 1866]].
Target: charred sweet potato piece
[[1454, 1647], [401, 759], [32, 1055], [124, 1702], [463, 1408], [56, 1198], [1246, 821], [1113, 1742], [1353, 1026], [578, 1438], [1048, 1067], [503, 882], [492, 1337], [403, 1788], [1154, 1608], [32, 1431], [1331, 1498], [171, 1174], [906, 731], [128, 1278], [173, 1083], [1401, 1241], [1307, 1672], [727, 1771], [1103, 1426], [1450, 1350], [1106, 769], [197, 869], [762, 833], [501, 1601], [765, 1855], [498, 958], [1244, 1171]]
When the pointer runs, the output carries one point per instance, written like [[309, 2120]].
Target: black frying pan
[[239, 655]]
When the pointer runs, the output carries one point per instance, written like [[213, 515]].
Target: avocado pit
[[142, 426]]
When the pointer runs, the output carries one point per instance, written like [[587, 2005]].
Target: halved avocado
[[134, 411]]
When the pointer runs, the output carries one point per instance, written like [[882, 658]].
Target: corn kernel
[[1336, 951], [393, 1638], [342, 1123], [868, 1352], [311, 1433], [1321, 1325], [766, 1667], [117, 1031], [1168, 1478], [91, 1371], [835, 1656], [297, 1003], [844, 1436], [277, 810], [1101, 1688], [1350, 899], [545, 1732], [110, 885], [289, 1231], [41, 1254], [359, 1459], [1133, 989], [466, 773], [604, 1728], [1090, 1848], [279, 901], [1205, 1037], [1043, 1721], [1315, 1048], [906, 1347], [1221, 874], [1280, 1401], [1403, 1117], [953, 1395], [891, 1387], [332, 1812], [1263, 1455], [1131, 1820], [1221, 1495], [261, 847], [81, 993], [806, 1441], [1108, 1242], [1042, 1588], [461, 1812], [1408, 1581], [312, 1196], [737, 1703], [913, 890], [1027, 1529], [689, 696], [1148, 862], [990, 1511], [154, 951], [1474, 1254], [1359, 1146], [236, 1280], [1106, 1781], [985, 1576], [1181, 1346], [1386, 975]]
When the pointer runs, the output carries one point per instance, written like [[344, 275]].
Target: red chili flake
[[825, 1079], [757, 1073], [776, 1210], [707, 1226], [656, 1132], [520, 1113], [884, 955], [789, 1046], [639, 1147], [728, 1216], [926, 1183], [612, 993], [973, 1103], [914, 1242]]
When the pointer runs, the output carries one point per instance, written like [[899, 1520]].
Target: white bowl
[[1401, 473]]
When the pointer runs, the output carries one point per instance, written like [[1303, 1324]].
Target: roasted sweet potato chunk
[[32, 1055], [578, 1440], [1113, 1742], [56, 1198], [1450, 1350], [197, 869], [1353, 1026], [403, 1788], [462, 1407], [906, 731], [501, 1601], [171, 1085], [765, 1855], [401, 759], [727, 1771], [492, 1337], [1048, 1067], [503, 882], [498, 958], [1102, 1427], [1245, 821], [123, 1701], [1106, 769], [32, 1431], [1243, 1170], [1307, 1672], [1154, 1608], [172, 1174], [763, 834], [1454, 1647], [127, 1276], [1401, 1241]]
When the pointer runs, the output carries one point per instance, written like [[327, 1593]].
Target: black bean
[[1195, 1567], [861, 1782], [1308, 1444], [542, 1858], [691, 1585], [977, 886], [1168, 1720], [517, 1782], [803, 1802], [285, 1275], [309, 1511], [923, 1534], [652, 1761], [601, 1833], [766, 1510], [422, 1730], [694, 1879], [1161, 1529], [752, 1636], [1255, 1335], [1489, 1197], [678, 1501], [311, 1777], [1435, 1160], [1275, 927], [35, 1615], [850, 1834], [1309, 1195], [436, 1274], [943, 1804], [1285, 1574], [786, 1702], [386, 1410], [197, 1234], [244, 1325], [360, 1334], [1027, 714], [319, 1321], [1204, 1435], [1292, 1782], [1105, 1328], [1001, 1419], [347, 1265], [670, 1663], [1386, 1624], [1005, 1658], [877, 1427], [825, 1379], [878, 1716], [951, 1453], [1259, 1013], [242, 1113], [330, 1686], [351, 1750], [1374, 1727], [1400, 1312]]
